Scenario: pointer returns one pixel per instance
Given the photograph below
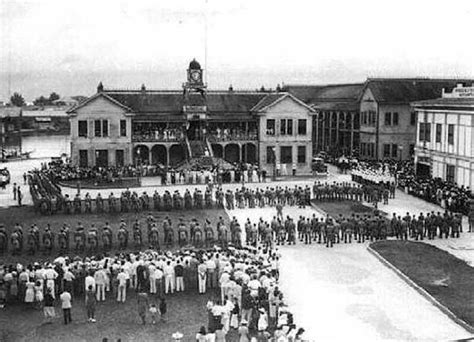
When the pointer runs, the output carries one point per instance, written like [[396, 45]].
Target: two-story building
[[445, 136], [168, 127], [387, 121]]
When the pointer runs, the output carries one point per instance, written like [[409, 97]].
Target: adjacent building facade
[[121, 127], [445, 136], [336, 127], [387, 121]]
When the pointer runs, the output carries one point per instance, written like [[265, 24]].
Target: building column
[[329, 131], [167, 155], [352, 132]]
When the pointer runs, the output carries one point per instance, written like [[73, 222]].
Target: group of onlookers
[[446, 194], [226, 134], [246, 302], [158, 134]]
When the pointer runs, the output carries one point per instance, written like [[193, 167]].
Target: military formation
[[150, 233], [371, 192], [131, 201]]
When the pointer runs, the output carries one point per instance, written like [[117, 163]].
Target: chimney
[[100, 87], [143, 89], [231, 89]]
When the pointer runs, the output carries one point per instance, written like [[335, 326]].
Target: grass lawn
[[347, 208], [26, 216], [447, 278]]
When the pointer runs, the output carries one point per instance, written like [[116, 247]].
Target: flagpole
[[206, 74]]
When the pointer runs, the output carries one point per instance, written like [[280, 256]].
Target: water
[[44, 146]]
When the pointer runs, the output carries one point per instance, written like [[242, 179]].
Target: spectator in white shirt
[[122, 286]]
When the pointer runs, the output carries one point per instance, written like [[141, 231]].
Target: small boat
[[15, 156]]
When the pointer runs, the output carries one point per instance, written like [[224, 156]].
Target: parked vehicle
[[318, 166]]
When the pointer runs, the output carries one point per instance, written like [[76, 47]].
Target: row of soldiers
[[338, 191], [209, 198], [157, 232], [355, 227]]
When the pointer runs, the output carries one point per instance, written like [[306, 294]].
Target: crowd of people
[[244, 281], [435, 190]]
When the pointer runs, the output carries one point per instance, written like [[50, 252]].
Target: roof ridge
[[324, 85], [421, 79]]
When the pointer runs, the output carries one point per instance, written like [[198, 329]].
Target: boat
[[8, 156]]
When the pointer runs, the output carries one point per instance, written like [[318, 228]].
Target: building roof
[[171, 102], [10, 112], [331, 97], [461, 103], [312, 94], [406, 90]]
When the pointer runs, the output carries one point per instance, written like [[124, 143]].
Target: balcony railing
[[174, 136], [222, 137]]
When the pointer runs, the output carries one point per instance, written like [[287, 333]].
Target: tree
[[41, 101], [17, 100], [53, 97]]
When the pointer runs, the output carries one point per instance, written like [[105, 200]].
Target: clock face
[[195, 75]]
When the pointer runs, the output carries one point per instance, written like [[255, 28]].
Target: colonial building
[[387, 122], [336, 127], [118, 127], [445, 136]]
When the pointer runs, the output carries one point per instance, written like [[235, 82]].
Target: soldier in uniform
[[200, 200], [77, 204], [182, 233], [299, 226], [291, 232], [145, 201], [99, 203], [88, 203], [188, 200], [395, 226], [456, 225], [208, 198], [330, 233], [156, 200], [307, 231]]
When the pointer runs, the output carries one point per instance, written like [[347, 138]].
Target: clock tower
[[195, 76]]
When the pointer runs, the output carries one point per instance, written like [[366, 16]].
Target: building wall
[[292, 110], [439, 154], [403, 134], [378, 133], [101, 109]]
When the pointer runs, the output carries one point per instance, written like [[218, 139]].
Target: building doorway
[[101, 158], [423, 170]]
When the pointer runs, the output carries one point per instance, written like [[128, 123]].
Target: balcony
[[166, 135], [223, 136]]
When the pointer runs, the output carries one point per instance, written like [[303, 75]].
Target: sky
[[69, 46]]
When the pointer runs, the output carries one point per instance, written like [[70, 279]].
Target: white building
[[445, 136]]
